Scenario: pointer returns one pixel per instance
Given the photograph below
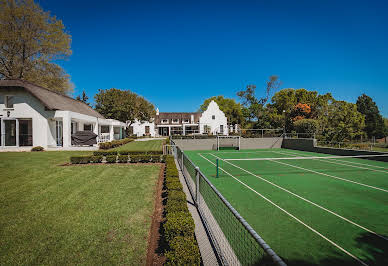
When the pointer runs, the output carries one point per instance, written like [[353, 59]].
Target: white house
[[212, 121], [34, 116]]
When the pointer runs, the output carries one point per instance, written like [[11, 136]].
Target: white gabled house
[[34, 116], [212, 121]]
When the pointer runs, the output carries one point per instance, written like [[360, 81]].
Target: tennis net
[[286, 163]]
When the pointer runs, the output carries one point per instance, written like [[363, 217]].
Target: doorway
[[9, 132]]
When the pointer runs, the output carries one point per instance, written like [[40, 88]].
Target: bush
[[123, 158], [176, 206], [37, 148], [80, 159], [178, 224], [104, 153], [97, 159], [308, 126], [174, 185], [155, 152], [140, 158], [114, 143], [177, 195], [184, 251], [132, 152], [111, 158]]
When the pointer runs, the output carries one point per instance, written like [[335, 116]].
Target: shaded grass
[[95, 214], [150, 145]]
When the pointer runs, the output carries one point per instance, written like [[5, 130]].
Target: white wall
[[44, 121], [139, 128], [207, 119], [27, 106]]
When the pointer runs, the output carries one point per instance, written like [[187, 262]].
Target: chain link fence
[[233, 239]]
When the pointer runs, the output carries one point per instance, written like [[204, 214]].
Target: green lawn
[[149, 145], [91, 215], [286, 227]]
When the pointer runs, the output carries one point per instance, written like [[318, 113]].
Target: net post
[[217, 168], [239, 143], [197, 186]]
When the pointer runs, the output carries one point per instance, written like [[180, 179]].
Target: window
[[88, 127], [206, 129], [25, 132], [213, 117], [185, 120], [147, 129], [104, 129], [8, 101], [74, 127], [222, 129], [164, 121], [175, 121]]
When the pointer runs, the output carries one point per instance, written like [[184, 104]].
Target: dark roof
[[51, 100], [179, 116]]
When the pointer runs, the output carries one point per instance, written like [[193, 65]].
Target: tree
[[229, 106], [123, 105], [254, 108], [30, 41], [345, 123], [308, 126], [84, 98], [374, 123]]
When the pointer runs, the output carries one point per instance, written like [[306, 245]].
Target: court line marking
[[332, 176], [309, 201], [289, 214], [329, 160]]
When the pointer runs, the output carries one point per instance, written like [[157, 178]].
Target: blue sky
[[178, 53]]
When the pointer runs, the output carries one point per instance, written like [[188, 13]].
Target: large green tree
[[374, 122], [230, 107], [254, 108], [31, 40], [123, 105], [285, 105], [345, 123]]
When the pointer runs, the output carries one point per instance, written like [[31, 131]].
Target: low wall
[[310, 145], [246, 143]]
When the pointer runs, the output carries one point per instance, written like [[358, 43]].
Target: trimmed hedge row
[[114, 143], [105, 153], [109, 158], [179, 225]]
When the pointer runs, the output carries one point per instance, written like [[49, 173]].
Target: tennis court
[[310, 208]]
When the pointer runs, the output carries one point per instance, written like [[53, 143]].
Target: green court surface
[[329, 211]]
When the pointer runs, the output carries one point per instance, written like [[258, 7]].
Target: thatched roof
[[51, 100]]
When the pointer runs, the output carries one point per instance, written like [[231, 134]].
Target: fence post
[[182, 160], [197, 186]]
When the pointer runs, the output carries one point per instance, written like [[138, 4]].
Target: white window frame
[[6, 99], [186, 121], [175, 121], [213, 117], [164, 121]]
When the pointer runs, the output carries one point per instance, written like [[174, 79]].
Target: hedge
[[145, 158], [37, 148], [114, 143], [141, 152], [184, 251], [123, 158], [80, 159], [97, 158], [179, 225], [111, 158], [104, 153]]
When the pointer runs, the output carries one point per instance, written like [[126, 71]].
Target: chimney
[[157, 111]]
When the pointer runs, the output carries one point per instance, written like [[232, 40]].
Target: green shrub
[[176, 206], [132, 152], [176, 195], [140, 158], [178, 224], [123, 158], [104, 153], [114, 143], [184, 251], [111, 158], [80, 159], [163, 158], [155, 152], [37, 148], [97, 159], [174, 185]]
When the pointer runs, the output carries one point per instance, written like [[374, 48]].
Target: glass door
[[9, 132]]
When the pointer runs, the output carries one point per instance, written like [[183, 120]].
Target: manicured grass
[[90, 215], [291, 239], [149, 145]]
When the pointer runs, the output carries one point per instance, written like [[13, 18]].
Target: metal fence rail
[[234, 240]]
